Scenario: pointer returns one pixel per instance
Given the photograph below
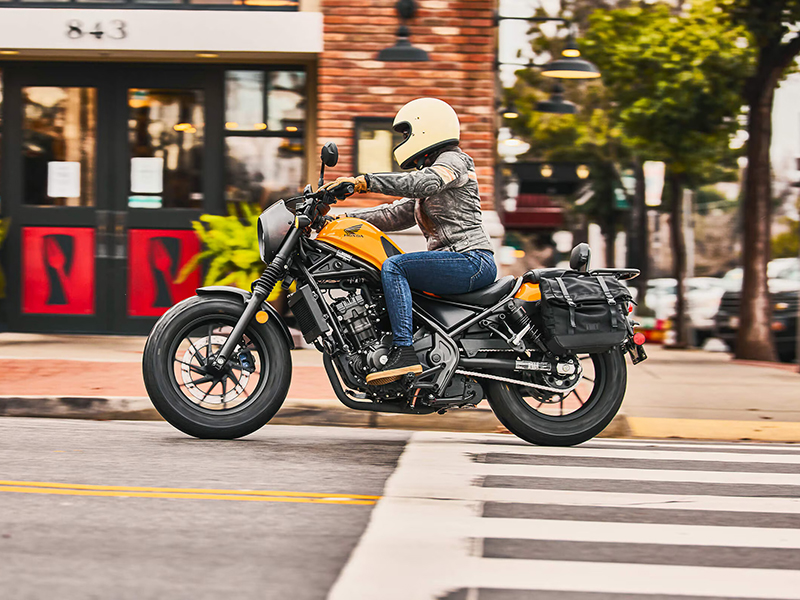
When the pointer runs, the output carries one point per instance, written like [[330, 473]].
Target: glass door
[[105, 167], [54, 189], [166, 138]]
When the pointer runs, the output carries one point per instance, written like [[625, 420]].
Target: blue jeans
[[437, 272]]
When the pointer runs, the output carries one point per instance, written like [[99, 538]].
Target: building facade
[[122, 122]]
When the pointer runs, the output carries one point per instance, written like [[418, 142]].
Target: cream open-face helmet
[[427, 124]]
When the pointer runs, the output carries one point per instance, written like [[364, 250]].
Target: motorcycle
[[218, 364]]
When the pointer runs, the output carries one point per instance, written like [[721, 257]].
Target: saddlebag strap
[[611, 301], [570, 302]]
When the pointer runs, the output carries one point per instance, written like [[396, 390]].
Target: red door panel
[[155, 257], [58, 272]]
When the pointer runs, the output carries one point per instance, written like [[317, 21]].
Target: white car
[[703, 296]]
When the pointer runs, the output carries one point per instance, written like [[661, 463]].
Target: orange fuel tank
[[360, 239]]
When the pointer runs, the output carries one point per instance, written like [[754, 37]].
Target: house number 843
[[117, 31]]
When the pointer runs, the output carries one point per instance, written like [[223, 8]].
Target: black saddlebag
[[583, 313]]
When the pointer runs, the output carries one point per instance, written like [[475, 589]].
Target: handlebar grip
[[348, 189]]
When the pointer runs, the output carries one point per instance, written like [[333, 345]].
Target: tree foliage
[[675, 80]]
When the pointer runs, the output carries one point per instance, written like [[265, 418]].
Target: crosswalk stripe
[[626, 578], [506, 440], [616, 474], [657, 454], [650, 501], [730, 446], [635, 533], [612, 514]]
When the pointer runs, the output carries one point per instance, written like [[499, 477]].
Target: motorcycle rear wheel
[[596, 412], [214, 407]]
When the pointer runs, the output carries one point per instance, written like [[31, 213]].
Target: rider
[[441, 196]]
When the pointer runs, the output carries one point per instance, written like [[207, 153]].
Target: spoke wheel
[[550, 405], [204, 401], [230, 388], [563, 419]]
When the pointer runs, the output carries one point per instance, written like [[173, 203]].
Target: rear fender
[[243, 296]]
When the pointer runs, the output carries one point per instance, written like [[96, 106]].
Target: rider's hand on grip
[[357, 185]]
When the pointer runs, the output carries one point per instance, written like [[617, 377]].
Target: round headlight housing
[[273, 225]]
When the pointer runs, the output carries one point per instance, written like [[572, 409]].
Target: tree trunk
[[680, 325], [610, 235], [754, 340], [639, 235]]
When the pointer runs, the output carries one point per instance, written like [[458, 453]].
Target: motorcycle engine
[[370, 347]]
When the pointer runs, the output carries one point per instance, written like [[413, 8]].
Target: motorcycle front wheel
[[215, 403], [568, 419]]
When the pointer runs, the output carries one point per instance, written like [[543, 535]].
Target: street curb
[[293, 412], [480, 420]]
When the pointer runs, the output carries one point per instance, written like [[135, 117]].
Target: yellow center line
[[77, 489]]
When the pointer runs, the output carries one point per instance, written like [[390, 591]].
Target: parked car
[[784, 288], [703, 296]]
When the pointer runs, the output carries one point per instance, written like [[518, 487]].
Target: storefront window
[[375, 142], [257, 100], [265, 121], [165, 133], [286, 101], [244, 101], [264, 170], [59, 145], [281, 3]]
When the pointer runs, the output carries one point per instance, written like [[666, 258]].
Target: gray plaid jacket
[[442, 199]]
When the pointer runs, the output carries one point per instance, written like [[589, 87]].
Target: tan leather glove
[[359, 182]]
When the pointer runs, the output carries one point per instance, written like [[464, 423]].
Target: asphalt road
[[137, 510], [60, 544]]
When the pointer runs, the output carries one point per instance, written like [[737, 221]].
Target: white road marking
[[425, 534], [656, 454], [622, 474], [654, 501], [623, 578], [633, 533], [789, 448]]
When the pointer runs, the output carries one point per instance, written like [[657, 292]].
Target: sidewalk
[[681, 394]]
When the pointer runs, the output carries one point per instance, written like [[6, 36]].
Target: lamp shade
[[571, 48], [403, 51], [570, 68], [556, 103]]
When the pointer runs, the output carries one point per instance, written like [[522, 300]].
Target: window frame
[[372, 120], [300, 134]]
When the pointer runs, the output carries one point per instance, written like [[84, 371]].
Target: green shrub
[[229, 249]]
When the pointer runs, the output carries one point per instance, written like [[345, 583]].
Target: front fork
[[261, 290]]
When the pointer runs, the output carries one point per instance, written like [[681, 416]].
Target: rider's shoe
[[402, 360]]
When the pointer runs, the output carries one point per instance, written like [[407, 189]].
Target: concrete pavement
[[137, 511], [683, 394]]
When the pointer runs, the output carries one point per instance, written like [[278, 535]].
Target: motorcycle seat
[[486, 296]]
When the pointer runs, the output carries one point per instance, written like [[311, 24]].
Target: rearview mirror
[[329, 154], [579, 257]]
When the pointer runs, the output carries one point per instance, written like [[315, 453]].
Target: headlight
[[781, 305]]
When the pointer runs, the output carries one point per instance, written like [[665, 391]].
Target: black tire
[[525, 422], [176, 407]]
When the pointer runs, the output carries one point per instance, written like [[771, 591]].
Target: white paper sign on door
[[147, 175], [64, 179]]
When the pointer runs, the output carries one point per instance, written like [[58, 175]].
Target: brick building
[[459, 38], [122, 122]]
